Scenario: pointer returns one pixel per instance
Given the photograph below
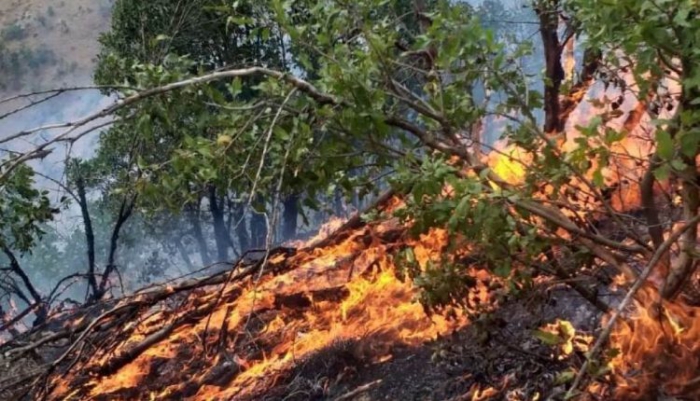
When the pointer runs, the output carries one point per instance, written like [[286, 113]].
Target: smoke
[[48, 45]]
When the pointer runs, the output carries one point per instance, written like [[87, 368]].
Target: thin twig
[[361, 389]]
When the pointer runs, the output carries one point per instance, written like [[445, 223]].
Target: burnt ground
[[498, 351]]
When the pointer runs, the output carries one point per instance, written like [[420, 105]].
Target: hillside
[[327, 321], [46, 44]]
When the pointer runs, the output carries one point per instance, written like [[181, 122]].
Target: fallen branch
[[122, 359], [126, 306], [361, 389], [353, 222]]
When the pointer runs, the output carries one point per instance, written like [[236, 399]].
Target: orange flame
[[658, 355], [345, 292]]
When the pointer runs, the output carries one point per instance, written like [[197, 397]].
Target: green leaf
[[598, 179], [664, 145], [689, 142], [502, 270], [612, 353], [564, 377], [462, 208], [281, 133], [662, 172], [547, 337], [678, 164]]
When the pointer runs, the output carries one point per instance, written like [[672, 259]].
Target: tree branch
[[41, 311]]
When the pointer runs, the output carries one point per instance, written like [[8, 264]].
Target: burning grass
[[658, 353], [240, 338]]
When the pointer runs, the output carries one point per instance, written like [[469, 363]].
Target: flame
[[344, 293], [509, 162], [628, 157], [324, 231], [479, 394], [659, 353]]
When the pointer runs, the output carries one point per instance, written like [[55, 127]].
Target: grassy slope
[[50, 43]]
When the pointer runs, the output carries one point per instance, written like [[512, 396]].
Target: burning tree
[[595, 174]]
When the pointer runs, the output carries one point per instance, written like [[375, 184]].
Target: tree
[[663, 47], [212, 36], [236, 35], [23, 211], [87, 175]]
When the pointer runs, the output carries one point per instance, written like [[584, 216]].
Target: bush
[[42, 20], [37, 59], [14, 32]]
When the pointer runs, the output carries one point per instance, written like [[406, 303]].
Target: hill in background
[[48, 44]]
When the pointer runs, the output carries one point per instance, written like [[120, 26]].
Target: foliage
[[253, 137], [23, 211], [664, 33], [171, 130]]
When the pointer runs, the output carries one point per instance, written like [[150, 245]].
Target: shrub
[[14, 32]]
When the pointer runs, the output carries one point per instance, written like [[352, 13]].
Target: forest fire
[[304, 308], [249, 335], [654, 349], [299, 320], [227, 129]]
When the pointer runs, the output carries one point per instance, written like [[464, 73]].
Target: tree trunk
[[547, 12], [686, 264], [199, 235], [220, 233], [125, 210], [258, 225], [42, 311], [89, 234], [290, 217], [338, 204], [240, 225], [183, 253]]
